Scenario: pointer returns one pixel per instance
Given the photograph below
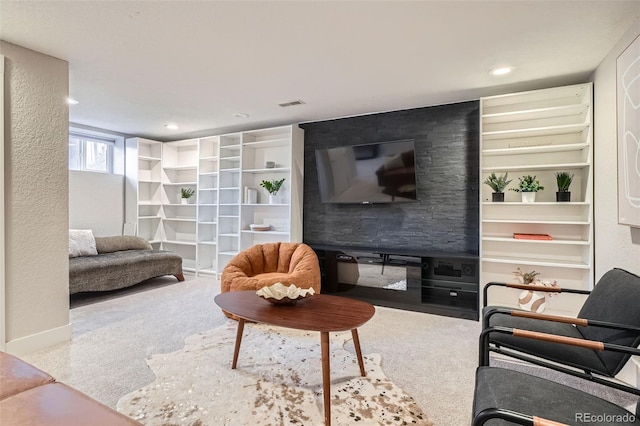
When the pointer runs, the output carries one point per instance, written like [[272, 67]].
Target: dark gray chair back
[[615, 298]]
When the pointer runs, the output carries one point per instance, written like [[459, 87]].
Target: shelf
[[536, 149], [148, 158], [531, 262], [148, 217], [209, 158], [536, 114], [535, 131], [207, 223], [228, 235], [207, 189], [563, 166], [208, 173], [540, 221], [189, 167], [157, 182], [230, 170], [264, 232], [207, 243], [537, 203], [179, 183], [181, 205], [175, 219], [521, 241], [264, 171], [228, 253], [272, 143], [178, 242]]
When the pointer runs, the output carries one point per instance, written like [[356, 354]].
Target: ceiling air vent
[[291, 103]]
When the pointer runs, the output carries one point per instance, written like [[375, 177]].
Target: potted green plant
[[528, 186], [272, 186], [498, 184], [185, 194], [563, 179]]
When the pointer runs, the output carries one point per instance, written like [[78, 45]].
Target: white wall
[[96, 201], [36, 199], [615, 245]]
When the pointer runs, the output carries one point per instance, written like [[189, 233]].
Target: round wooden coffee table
[[320, 312]]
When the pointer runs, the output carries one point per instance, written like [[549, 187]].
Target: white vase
[[272, 199], [528, 197], [184, 201], [533, 301]]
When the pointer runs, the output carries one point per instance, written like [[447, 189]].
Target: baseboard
[[35, 342]]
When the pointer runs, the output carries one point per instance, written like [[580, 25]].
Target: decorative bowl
[[280, 294], [259, 227]]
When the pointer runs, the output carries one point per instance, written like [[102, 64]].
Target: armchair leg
[[179, 277]]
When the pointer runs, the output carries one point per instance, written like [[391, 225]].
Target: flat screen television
[[382, 172]]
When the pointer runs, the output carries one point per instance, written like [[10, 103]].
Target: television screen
[[382, 172]]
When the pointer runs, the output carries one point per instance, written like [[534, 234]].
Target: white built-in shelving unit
[[144, 188], [214, 226], [179, 223], [538, 133]]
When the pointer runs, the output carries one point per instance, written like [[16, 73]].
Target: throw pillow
[[82, 243]]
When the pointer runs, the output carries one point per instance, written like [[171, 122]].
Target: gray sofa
[[121, 261]]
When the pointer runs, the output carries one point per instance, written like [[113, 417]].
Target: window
[[90, 153]]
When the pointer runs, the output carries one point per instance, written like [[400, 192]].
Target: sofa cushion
[[81, 243], [55, 404], [17, 376], [121, 243], [111, 271]]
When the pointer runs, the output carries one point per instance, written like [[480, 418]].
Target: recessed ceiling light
[[241, 115], [501, 71], [71, 101], [171, 126]]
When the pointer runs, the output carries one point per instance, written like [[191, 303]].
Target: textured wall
[[447, 160], [615, 245], [36, 173]]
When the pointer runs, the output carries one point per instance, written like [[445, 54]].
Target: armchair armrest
[[513, 417], [485, 290], [584, 343], [556, 318]]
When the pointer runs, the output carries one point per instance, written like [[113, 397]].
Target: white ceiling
[[136, 65]]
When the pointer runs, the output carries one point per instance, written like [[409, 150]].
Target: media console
[[433, 282]]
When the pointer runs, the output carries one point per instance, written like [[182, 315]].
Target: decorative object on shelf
[[279, 293], [185, 194], [498, 184], [563, 180], [628, 135], [530, 300], [528, 186], [272, 186], [259, 227], [269, 165], [543, 237]]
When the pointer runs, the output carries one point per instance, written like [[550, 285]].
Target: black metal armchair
[[610, 314], [505, 396]]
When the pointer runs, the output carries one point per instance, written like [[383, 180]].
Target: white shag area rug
[[278, 381]]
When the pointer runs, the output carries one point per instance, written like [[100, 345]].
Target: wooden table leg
[[326, 381], [356, 343], [236, 351]]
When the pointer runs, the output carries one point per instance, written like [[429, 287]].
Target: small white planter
[[528, 197], [184, 200], [273, 199]]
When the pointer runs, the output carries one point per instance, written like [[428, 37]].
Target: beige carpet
[[278, 382]]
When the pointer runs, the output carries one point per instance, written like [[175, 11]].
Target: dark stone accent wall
[[447, 160]]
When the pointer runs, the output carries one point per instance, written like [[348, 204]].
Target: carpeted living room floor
[[433, 358]]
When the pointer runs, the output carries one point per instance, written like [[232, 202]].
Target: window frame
[[84, 138]]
